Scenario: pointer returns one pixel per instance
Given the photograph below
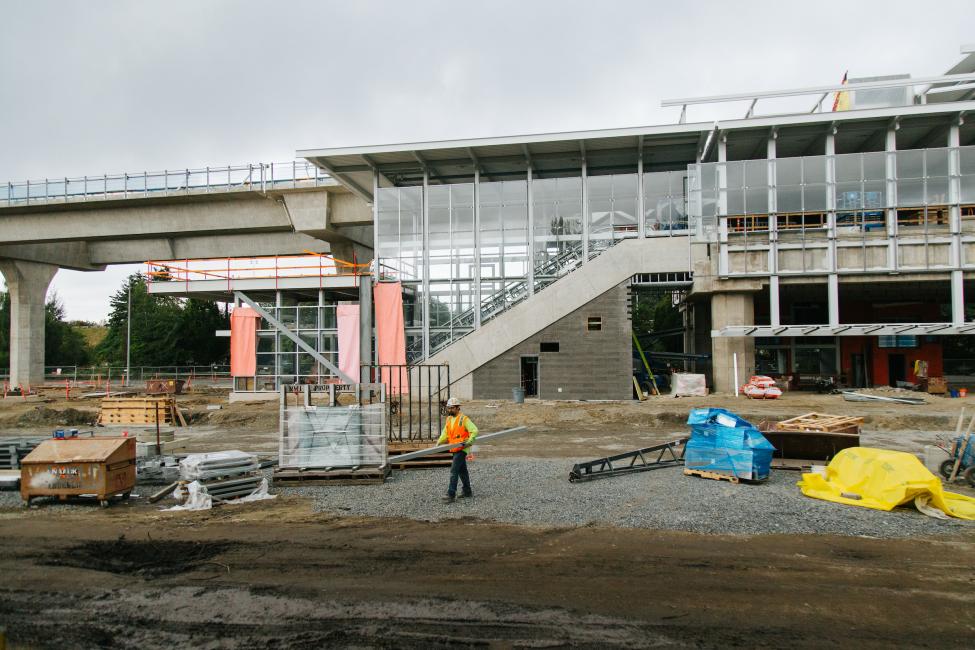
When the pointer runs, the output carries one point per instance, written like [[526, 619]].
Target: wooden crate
[[822, 422], [140, 410]]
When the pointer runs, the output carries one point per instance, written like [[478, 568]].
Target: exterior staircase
[[515, 321]]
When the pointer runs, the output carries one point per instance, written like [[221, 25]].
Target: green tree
[[64, 344], [155, 327], [198, 345], [165, 330]]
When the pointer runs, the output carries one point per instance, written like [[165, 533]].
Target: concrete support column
[[365, 322], [27, 283], [732, 309]]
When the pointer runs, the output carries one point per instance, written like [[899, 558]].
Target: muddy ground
[[278, 575]]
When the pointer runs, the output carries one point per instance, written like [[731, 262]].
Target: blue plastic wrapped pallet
[[724, 443]]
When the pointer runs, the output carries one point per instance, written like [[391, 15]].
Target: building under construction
[[818, 245]]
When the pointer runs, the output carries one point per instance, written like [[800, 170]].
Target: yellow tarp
[[882, 480]]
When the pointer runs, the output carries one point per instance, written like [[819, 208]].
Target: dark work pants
[[458, 468]]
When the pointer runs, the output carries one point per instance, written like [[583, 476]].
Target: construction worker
[[461, 430]]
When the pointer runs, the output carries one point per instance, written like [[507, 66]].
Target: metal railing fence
[[258, 177], [116, 375]]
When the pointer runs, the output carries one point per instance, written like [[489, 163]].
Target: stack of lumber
[[140, 410]]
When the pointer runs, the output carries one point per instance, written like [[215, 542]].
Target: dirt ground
[[278, 575], [258, 576]]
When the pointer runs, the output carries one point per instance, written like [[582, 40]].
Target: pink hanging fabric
[[243, 342], [391, 335], [348, 325]]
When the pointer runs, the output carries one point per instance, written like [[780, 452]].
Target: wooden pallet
[[731, 478], [394, 449], [822, 422], [311, 477], [140, 410]]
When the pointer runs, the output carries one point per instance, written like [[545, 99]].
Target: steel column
[[585, 211], [477, 247], [954, 223], [425, 206], [531, 232]]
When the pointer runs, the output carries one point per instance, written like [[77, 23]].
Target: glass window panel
[[910, 192], [288, 316], [814, 169], [966, 157], [788, 198], [265, 343], [756, 200], [910, 164], [875, 165], [328, 317], [848, 167], [968, 189], [736, 201], [308, 317], [788, 171], [756, 173], [936, 162], [814, 198], [265, 364], [735, 177], [286, 364], [307, 366], [874, 195], [849, 196], [936, 192], [285, 344]]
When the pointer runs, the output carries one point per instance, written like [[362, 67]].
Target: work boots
[[447, 499]]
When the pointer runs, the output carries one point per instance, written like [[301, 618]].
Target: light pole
[[128, 337]]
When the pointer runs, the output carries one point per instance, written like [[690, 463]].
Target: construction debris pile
[[219, 476]]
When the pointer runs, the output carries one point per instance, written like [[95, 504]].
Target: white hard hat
[[453, 401]]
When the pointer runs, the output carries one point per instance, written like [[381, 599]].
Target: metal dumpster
[[99, 467]]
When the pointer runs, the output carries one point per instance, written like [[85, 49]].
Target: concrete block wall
[[588, 365]]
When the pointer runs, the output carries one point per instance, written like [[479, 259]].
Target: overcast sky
[[106, 87]]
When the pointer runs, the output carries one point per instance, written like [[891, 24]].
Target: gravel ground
[[538, 492]]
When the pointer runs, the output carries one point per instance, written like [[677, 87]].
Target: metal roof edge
[[843, 116], [661, 129]]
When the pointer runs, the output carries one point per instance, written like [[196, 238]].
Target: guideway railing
[[259, 177], [116, 376]]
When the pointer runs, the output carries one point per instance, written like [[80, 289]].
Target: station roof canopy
[[663, 147], [666, 147]]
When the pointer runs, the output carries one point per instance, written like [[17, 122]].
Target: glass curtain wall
[[503, 245], [665, 203], [557, 208], [452, 262], [278, 359], [920, 177], [488, 251], [612, 210], [400, 238]]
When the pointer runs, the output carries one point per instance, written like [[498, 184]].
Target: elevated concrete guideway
[[108, 221]]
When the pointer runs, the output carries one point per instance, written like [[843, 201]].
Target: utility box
[[99, 467]]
